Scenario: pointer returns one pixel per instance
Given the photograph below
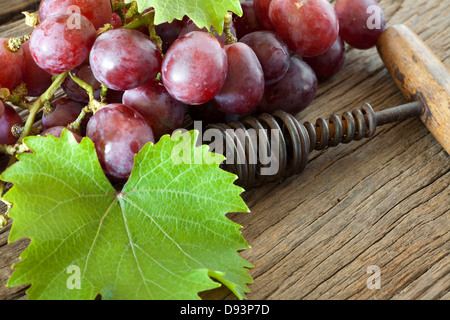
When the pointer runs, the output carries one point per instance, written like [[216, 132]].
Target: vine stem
[[230, 38], [84, 85], [141, 20], [36, 106], [93, 106], [4, 217], [13, 149], [146, 19]]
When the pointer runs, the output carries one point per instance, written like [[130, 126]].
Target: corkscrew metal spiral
[[293, 141]]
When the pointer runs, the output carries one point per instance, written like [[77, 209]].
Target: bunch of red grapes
[[269, 59]]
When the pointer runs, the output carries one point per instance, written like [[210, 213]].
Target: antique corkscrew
[[419, 74]]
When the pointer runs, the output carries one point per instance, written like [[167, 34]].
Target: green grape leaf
[[204, 13], [163, 236]]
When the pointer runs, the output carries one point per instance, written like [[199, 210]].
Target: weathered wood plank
[[11, 10], [383, 201]]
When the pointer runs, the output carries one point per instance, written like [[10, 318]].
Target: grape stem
[[31, 19], [76, 125], [146, 19], [84, 85], [18, 96], [15, 43], [141, 20], [17, 130], [118, 7], [13, 149], [103, 92], [93, 106], [3, 221], [35, 107], [230, 38], [3, 217], [132, 9]]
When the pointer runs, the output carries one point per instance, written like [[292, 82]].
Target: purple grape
[[57, 47], [12, 66], [309, 27], [361, 22], [99, 12], [329, 63], [294, 92], [261, 8], [169, 32], [118, 133], [162, 112], [244, 86], [57, 131], [195, 68], [124, 59], [74, 91], [66, 111], [248, 23], [9, 118], [272, 52]]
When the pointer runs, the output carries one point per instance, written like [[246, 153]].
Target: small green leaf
[[164, 236], [204, 13]]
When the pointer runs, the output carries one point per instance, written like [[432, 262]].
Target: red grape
[[361, 22], [162, 112], [57, 131], [66, 111], [37, 80], [118, 133], [244, 85], [9, 118], [191, 26], [74, 91], [99, 12], [294, 92], [116, 21], [12, 66], [309, 27], [261, 8], [195, 68], [124, 59], [329, 63], [248, 23], [169, 32], [272, 52], [57, 48]]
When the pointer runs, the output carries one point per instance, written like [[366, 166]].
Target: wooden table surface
[[383, 202]]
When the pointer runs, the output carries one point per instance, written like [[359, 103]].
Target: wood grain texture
[[383, 201], [12, 10], [420, 75]]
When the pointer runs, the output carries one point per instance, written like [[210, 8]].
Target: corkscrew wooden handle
[[421, 76]]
